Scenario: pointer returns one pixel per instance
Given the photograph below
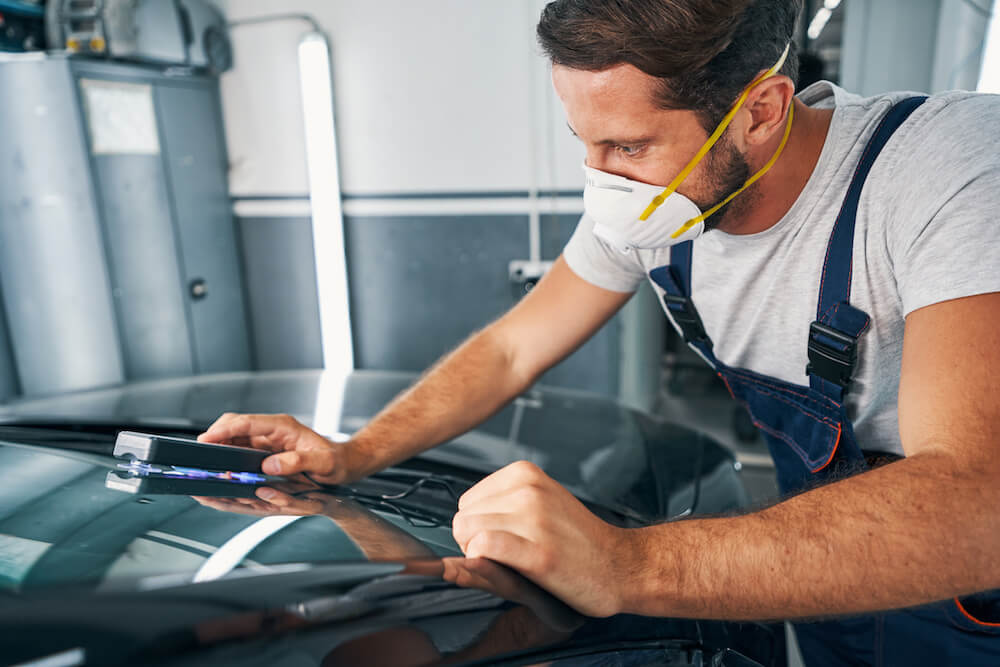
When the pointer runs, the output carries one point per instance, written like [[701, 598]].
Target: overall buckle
[[833, 362], [687, 318]]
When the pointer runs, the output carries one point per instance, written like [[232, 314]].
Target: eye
[[629, 150]]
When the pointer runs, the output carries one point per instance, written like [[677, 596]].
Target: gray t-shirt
[[927, 231]]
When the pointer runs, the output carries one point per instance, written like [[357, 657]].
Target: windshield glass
[[62, 523]]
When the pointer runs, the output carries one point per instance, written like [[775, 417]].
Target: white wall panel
[[437, 95], [262, 110]]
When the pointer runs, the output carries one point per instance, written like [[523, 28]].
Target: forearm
[[462, 390], [922, 529]]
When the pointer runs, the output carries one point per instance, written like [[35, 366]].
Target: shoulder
[[946, 149], [954, 130], [948, 141]]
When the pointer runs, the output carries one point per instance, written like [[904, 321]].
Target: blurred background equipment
[[163, 32], [21, 25]]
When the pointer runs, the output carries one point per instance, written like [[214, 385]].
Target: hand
[[522, 518], [297, 448], [300, 506], [489, 576]]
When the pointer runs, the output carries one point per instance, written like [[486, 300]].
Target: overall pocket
[[977, 613], [804, 429]]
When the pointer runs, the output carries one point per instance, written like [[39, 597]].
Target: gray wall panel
[[420, 285], [9, 385], [143, 266], [595, 366], [197, 167], [55, 284], [631, 344], [281, 285]]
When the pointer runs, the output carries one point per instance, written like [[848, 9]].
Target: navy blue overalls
[[812, 442]]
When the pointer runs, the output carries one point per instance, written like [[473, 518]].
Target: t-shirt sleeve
[[598, 263], [945, 239]]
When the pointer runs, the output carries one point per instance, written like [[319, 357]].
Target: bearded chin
[[729, 171]]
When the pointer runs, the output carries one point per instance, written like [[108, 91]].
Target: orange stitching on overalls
[[782, 436], [819, 418], [972, 618], [791, 443], [836, 309], [836, 444], [820, 403]]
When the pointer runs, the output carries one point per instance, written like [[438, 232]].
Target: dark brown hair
[[703, 51]]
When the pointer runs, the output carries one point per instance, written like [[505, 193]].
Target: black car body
[[366, 573]]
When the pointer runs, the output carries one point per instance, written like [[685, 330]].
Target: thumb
[[318, 461]]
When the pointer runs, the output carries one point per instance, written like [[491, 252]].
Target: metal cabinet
[[118, 251]]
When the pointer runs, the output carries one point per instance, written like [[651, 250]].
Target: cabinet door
[[196, 164], [142, 256]]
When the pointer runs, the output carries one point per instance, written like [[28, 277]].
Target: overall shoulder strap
[[834, 335], [675, 279]]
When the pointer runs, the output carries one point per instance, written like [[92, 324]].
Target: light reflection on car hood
[[603, 451]]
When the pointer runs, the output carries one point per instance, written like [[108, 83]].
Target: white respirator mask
[[631, 215]]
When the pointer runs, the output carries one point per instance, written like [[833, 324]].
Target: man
[[853, 236]]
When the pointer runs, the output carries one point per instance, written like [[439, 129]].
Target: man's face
[[613, 112]]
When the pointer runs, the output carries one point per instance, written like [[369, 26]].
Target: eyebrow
[[614, 142]]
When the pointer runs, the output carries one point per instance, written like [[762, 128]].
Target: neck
[[773, 195]]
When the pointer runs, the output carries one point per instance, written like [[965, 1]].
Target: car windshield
[[63, 521]]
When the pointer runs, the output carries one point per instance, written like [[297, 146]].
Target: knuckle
[[526, 469], [486, 543], [325, 463], [544, 561], [294, 459], [528, 496]]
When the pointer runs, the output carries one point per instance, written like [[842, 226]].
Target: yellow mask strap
[[716, 135], [750, 181]]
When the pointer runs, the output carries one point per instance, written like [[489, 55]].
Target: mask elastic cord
[[715, 136], [750, 181]]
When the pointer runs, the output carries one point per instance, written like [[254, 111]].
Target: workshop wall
[[919, 45], [455, 160]]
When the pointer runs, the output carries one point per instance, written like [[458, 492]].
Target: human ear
[[767, 106]]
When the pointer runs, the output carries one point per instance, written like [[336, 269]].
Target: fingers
[[487, 575], [508, 549], [319, 461], [519, 474], [287, 504], [272, 432], [466, 526]]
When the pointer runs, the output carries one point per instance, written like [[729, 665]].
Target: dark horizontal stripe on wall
[[503, 194], [269, 197]]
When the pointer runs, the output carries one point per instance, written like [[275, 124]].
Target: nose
[[591, 160], [595, 161]]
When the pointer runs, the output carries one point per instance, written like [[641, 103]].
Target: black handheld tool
[[164, 450], [176, 483]]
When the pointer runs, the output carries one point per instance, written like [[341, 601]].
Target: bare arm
[[462, 390], [489, 369], [922, 529]]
